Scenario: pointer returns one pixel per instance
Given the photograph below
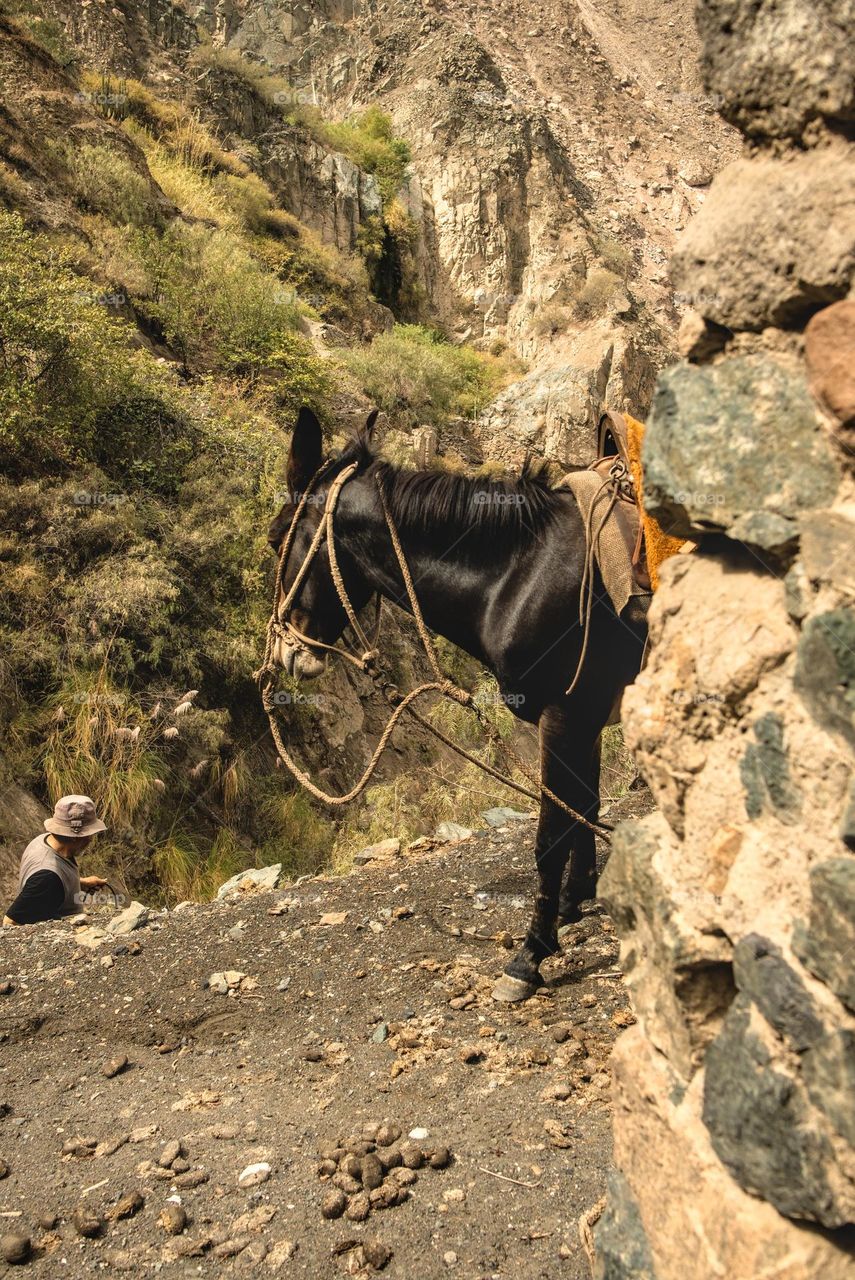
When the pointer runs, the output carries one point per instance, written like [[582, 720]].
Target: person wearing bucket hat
[[49, 883]]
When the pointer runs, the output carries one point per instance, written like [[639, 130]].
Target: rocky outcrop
[[736, 902], [548, 178]]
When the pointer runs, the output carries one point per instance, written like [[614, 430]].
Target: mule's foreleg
[[566, 769]]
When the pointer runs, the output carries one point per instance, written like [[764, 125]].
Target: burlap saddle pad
[[628, 545]]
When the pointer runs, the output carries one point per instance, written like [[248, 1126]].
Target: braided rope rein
[[369, 662]]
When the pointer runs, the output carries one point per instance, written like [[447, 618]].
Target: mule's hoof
[[511, 990]]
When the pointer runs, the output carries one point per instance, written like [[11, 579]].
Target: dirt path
[[368, 1001]]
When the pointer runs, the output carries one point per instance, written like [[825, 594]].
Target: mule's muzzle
[[297, 660]]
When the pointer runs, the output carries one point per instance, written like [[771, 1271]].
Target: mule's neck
[[453, 574]]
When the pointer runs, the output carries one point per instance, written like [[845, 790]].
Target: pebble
[[404, 1177], [194, 1178], [15, 1248], [5, 1169], [376, 1254], [313, 1055], [334, 1204], [471, 1053], [454, 1195], [358, 1208], [173, 1218], [372, 1172], [589, 1001], [170, 1153], [440, 1158], [380, 1033], [387, 1134], [80, 1147], [560, 1032], [6, 989], [418, 1134], [450, 1258], [127, 1207], [86, 1223], [412, 1157], [47, 1221], [254, 1174]]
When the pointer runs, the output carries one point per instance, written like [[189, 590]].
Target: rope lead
[[279, 626]]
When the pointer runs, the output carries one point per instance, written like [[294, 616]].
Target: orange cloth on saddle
[[659, 546]]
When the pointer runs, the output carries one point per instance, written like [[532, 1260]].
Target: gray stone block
[[825, 671], [826, 946], [728, 448], [622, 1248], [762, 1125]]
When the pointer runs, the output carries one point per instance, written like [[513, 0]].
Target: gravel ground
[[365, 1002]]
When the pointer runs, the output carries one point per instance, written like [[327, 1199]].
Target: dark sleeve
[[40, 899]]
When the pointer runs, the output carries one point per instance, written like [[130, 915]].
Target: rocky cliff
[[556, 152], [736, 900]]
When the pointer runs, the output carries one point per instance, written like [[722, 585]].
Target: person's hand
[[92, 882]]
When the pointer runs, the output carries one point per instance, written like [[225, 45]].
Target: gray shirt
[[39, 856]]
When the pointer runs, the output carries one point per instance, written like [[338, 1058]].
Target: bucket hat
[[74, 816]]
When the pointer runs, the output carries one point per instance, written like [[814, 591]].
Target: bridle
[[280, 626]]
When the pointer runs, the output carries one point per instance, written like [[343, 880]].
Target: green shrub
[[414, 374], [63, 358], [368, 139], [106, 182], [596, 293]]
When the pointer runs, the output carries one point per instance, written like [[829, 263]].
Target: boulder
[[774, 240], [677, 966], [735, 449], [382, 849], [777, 65], [133, 917], [826, 539], [622, 1248], [830, 355], [254, 880]]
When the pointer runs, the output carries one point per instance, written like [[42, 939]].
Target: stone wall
[[735, 1090]]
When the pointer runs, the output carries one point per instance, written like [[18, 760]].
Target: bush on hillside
[[415, 375]]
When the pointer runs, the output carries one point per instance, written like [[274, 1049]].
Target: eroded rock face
[[734, 1130]]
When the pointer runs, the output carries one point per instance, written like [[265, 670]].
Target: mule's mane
[[507, 510]]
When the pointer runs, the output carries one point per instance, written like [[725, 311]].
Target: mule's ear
[[307, 451], [365, 434]]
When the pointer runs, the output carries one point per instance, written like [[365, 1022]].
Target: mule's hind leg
[[580, 879], [565, 768]]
